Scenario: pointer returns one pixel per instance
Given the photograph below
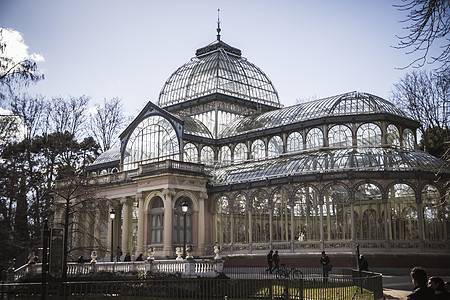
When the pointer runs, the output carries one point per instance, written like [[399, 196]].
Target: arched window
[[240, 220], [294, 142], [275, 147], [339, 136], [368, 134], [240, 153], [337, 223], [222, 221], [306, 214], [154, 139], [207, 155], [408, 139], [225, 155], [178, 222], [369, 207], [393, 135], [190, 153], [434, 218], [260, 217], [314, 138], [403, 219], [258, 150], [156, 224], [281, 216]]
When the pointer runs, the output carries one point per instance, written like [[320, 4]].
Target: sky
[[128, 49]]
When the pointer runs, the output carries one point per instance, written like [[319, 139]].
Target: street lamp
[[112, 215], [184, 208]]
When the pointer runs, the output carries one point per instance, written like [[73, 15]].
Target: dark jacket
[[324, 260], [421, 293], [363, 264]]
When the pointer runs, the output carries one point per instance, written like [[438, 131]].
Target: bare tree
[[107, 122], [15, 73], [30, 110], [78, 201], [67, 115], [428, 23], [425, 97]]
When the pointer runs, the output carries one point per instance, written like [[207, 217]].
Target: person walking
[[118, 253], [325, 262], [363, 264], [276, 261], [127, 257], [269, 261], [420, 291]]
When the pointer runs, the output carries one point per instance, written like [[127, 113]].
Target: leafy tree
[[428, 23]]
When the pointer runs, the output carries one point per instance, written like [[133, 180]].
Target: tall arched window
[[369, 207], [294, 142], [433, 214], [207, 155], [222, 221], [307, 214], [314, 138], [337, 223], [178, 222], [190, 153], [368, 134], [240, 220], [154, 139], [258, 150], [225, 155], [260, 217], [403, 219], [281, 216], [156, 224], [240, 153], [393, 135], [408, 139], [339, 136], [275, 147]]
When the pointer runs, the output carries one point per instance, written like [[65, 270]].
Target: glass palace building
[[322, 175]]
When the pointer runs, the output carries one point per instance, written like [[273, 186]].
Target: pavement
[[398, 287]]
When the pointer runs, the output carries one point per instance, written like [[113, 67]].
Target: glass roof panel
[[364, 159], [110, 155], [350, 104]]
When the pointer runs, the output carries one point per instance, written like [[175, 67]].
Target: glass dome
[[218, 68]]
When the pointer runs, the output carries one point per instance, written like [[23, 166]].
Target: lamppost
[[184, 208], [112, 215]]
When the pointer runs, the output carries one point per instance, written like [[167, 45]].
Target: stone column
[[126, 206], [168, 222], [141, 216], [352, 217], [320, 202], [201, 222], [97, 224]]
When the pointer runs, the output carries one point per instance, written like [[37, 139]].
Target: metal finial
[[218, 24]]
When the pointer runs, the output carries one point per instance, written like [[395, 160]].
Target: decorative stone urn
[[189, 249], [93, 257], [179, 252], [151, 252], [217, 252]]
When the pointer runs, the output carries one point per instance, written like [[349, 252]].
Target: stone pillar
[[126, 206], [168, 222], [352, 217], [141, 216], [97, 225], [201, 222], [320, 202]]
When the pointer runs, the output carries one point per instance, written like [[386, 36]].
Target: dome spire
[[218, 24]]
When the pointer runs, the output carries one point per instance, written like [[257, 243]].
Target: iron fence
[[204, 288]]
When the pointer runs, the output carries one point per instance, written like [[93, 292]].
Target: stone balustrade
[[187, 268]]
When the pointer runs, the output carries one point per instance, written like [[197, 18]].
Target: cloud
[[15, 47]]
